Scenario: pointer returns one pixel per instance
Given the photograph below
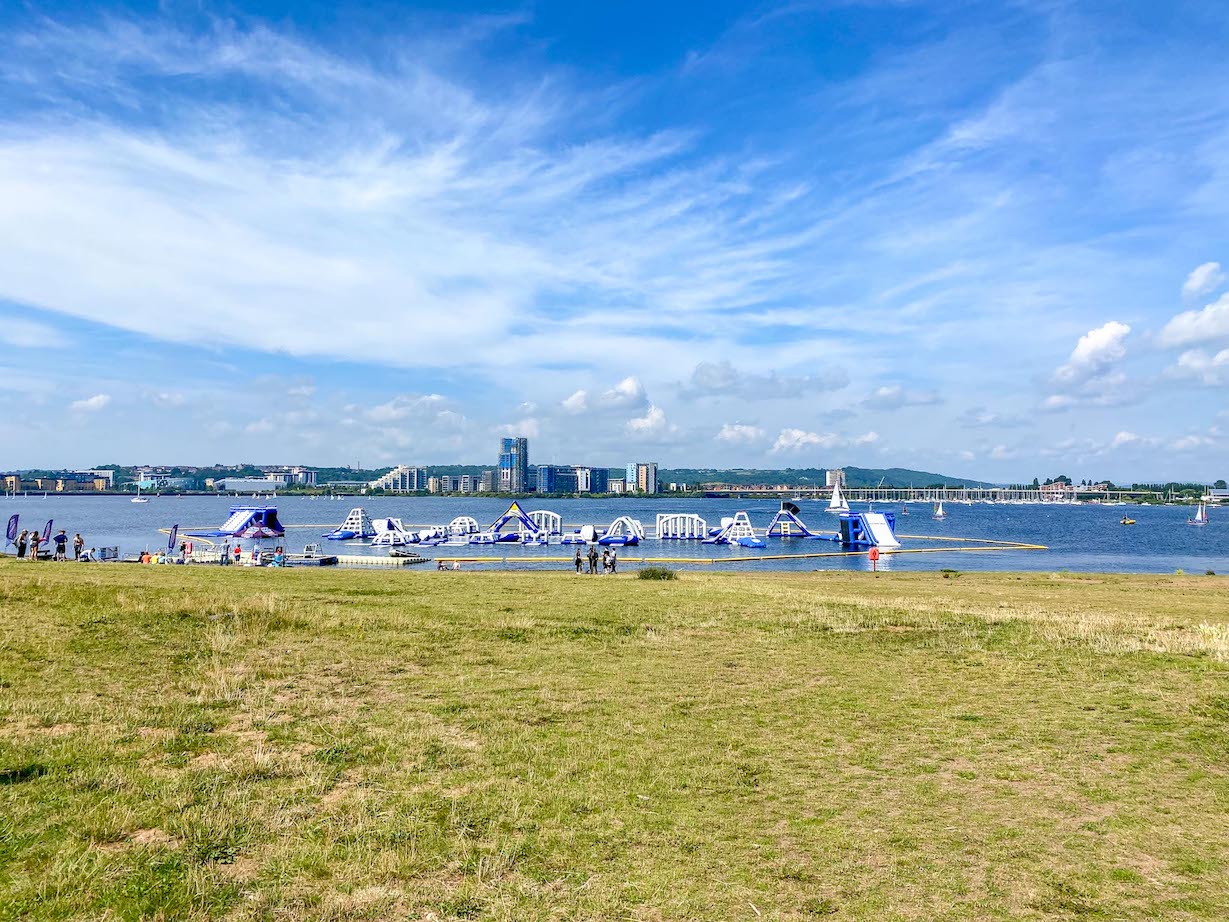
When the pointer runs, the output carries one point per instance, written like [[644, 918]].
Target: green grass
[[192, 743]]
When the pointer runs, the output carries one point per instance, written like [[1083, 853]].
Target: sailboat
[[1201, 515], [939, 513], [904, 510], [837, 503], [139, 498]]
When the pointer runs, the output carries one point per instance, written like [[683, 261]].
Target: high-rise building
[[402, 479], [834, 477], [514, 465], [629, 480], [642, 477], [490, 481], [599, 480]]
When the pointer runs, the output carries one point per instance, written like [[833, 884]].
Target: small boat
[[136, 499], [1127, 521], [837, 503], [1200, 517], [939, 513]]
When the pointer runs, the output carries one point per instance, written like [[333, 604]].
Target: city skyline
[[986, 242]]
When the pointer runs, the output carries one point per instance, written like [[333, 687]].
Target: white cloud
[[722, 379], [1202, 280], [91, 404], [1003, 453], [1125, 438], [895, 397], [1206, 367], [653, 423], [797, 439], [577, 403], [169, 399], [1189, 442], [869, 438], [1095, 350], [627, 393], [528, 428], [26, 334], [259, 427], [738, 433], [1197, 327], [405, 406], [301, 391]]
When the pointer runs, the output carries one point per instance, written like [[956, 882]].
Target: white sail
[[939, 513], [1201, 515], [838, 503]]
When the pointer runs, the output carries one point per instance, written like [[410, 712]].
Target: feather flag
[[47, 531], [10, 533], [170, 542]]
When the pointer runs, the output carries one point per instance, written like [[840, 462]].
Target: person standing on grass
[[61, 545], [22, 540], [78, 546], [224, 560], [614, 562], [35, 540], [605, 560], [592, 560], [577, 561]]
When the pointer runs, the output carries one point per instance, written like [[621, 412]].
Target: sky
[[989, 240]]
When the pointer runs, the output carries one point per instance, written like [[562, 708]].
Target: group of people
[[29, 546], [609, 560]]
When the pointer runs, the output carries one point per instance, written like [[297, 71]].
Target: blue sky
[[981, 239]]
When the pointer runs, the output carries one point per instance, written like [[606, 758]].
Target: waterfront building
[[490, 482], [646, 477], [288, 476], [108, 476], [448, 484], [599, 480], [239, 485], [616, 485], [629, 479], [514, 465], [433, 484], [835, 478], [402, 479]]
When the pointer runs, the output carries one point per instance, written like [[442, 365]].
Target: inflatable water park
[[389, 538]]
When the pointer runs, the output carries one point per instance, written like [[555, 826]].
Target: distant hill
[[810, 476]]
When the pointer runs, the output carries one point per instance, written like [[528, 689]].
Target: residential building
[[629, 479], [241, 485], [599, 480], [616, 485], [402, 479], [514, 465], [490, 482], [646, 477], [834, 477], [108, 476], [292, 476], [448, 484], [13, 483], [584, 479], [433, 485]]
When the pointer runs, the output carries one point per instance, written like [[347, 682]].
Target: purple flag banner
[[170, 542], [10, 533], [47, 531]]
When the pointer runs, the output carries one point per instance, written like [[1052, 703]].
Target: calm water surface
[[1081, 538]]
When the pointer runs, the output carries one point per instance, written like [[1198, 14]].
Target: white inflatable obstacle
[[549, 523], [390, 533], [681, 526], [358, 524]]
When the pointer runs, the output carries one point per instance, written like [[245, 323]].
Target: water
[[1080, 538]]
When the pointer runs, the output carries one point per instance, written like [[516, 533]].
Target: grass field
[[199, 743]]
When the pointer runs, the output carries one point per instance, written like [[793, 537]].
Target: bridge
[[933, 494]]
